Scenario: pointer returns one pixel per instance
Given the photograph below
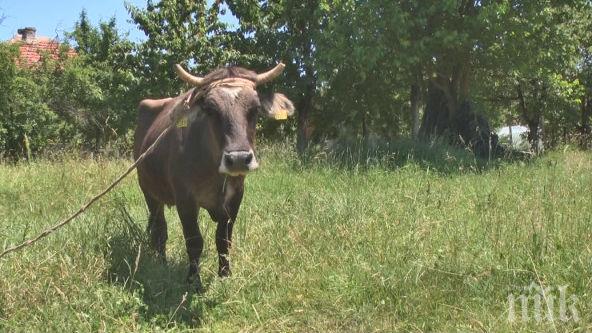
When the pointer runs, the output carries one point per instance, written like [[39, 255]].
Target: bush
[[61, 104], [28, 124]]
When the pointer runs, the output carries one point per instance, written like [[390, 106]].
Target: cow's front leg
[[223, 238], [223, 243], [188, 212], [225, 215]]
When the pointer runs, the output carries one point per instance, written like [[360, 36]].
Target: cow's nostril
[[228, 159], [249, 159]]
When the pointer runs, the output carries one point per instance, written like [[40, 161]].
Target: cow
[[203, 159]]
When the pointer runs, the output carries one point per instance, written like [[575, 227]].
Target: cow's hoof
[[195, 280], [224, 272], [199, 288]]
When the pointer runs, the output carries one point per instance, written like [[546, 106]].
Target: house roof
[[32, 48]]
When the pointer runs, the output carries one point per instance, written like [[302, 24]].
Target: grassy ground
[[397, 242]]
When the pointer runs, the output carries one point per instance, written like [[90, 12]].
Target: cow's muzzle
[[238, 162]]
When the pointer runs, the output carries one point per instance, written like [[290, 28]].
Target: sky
[[53, 17]]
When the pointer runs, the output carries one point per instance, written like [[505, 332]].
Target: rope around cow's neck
[[91, 201], [176, 115]]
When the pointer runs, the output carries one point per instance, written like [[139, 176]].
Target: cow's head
[[229, 100]]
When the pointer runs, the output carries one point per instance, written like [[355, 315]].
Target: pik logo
[[540, 303]]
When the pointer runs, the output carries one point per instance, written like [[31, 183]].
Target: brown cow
[[203, 160]]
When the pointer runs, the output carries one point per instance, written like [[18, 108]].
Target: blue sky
[[53, 17]]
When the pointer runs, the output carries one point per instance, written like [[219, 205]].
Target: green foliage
[[28, 124], [7, 75], [100, 83], [371, 53], [85, 101], [533, 77], [180, 32], [365, 79], [287, 31], [355, 69]]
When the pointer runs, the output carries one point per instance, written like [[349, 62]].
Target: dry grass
[[403, 245]]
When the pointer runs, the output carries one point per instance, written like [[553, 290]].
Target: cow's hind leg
[[157, 227]]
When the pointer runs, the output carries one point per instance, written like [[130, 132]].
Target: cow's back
[[152, 172], [148, 112]]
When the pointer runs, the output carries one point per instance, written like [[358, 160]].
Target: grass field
[[388, 242]]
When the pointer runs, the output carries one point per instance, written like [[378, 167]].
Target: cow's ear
[[277, 106]]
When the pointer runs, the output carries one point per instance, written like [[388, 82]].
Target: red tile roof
[[31, 51]]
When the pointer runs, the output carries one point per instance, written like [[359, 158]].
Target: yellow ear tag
[[182, 122], [280, 115]]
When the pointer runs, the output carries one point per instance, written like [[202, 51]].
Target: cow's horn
[[270, 74], [192, 80]]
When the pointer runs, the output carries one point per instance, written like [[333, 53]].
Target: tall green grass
[[409, 238]]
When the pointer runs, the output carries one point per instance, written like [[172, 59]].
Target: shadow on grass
[[435, 156], [161, 285]]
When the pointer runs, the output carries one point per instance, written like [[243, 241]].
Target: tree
[[457, 36], [535, 67], [27, 124], [459, 52], [371, 67], [584, 74], [286, 30], [586, 99], [98, 86], [181, 31]]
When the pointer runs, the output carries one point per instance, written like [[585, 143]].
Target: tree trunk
[[365, 131], [510, 132], [97, 139], [435, 118], [304, 108], [533, 121], [449, 115], [415, 99], [533, 135], [585, 128]]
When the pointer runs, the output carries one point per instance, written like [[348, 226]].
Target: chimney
[[27, 34]]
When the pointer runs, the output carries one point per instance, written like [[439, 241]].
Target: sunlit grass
[[344, 242]]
